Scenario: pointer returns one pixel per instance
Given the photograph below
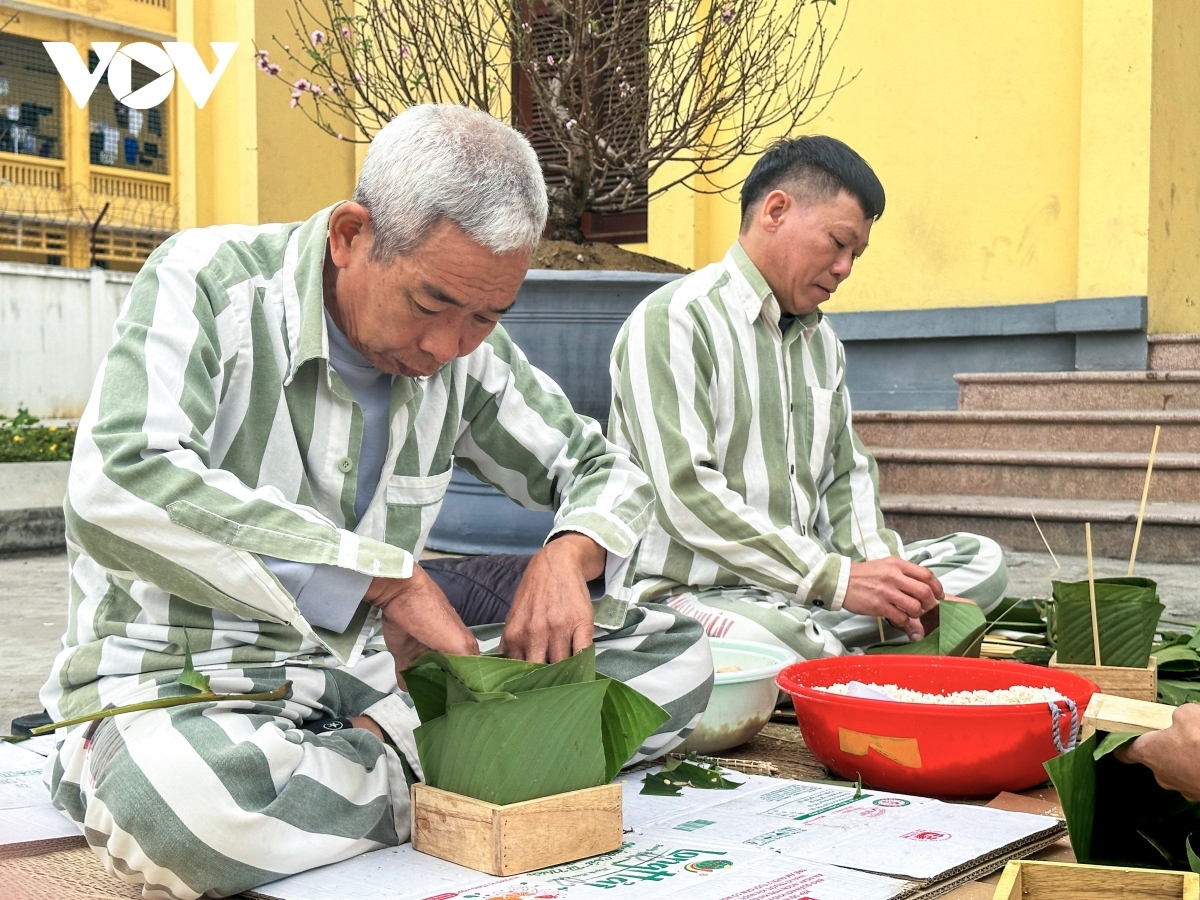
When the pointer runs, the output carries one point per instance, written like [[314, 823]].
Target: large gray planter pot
[[566, 323]]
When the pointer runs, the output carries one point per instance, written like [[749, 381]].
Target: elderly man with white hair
[[262, 457]]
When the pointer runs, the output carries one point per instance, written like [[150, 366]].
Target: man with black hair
[[729, 390]]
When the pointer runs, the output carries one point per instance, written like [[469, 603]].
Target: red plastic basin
[[926, 748]]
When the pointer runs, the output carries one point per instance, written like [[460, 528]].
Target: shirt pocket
[[413, 503], [826, 419]]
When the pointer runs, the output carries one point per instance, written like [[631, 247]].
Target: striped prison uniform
[[218, 436], [765, 495]]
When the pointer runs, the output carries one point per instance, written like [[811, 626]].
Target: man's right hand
[[417, 617], [894, 589]]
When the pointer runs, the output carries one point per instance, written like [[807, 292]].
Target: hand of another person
[[1173, 754], [418, 617], [895, 589], [551, 614]]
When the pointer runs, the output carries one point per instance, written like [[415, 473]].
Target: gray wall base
[[908, 359]]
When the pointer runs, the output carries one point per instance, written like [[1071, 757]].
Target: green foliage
[[1117, 814], [677, 774], [189, 677], [503, 730], [959, 633], [1127, 610], [22, 439], [1178, 660]]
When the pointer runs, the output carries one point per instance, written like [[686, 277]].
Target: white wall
[[55, 327]]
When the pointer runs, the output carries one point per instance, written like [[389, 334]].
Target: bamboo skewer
[[1057, 564], [1137, 531], [1087, 536]]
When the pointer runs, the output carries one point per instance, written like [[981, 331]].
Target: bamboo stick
[[1137, 532], [1057, 564], [1087, 536]]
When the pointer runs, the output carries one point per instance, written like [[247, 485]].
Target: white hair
[[439, 162]]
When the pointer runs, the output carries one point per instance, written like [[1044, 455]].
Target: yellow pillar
[[75, 145], [1174, 208], [184, 157], [1114, 147]]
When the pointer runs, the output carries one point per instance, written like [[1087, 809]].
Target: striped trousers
[[967, 565], [216, 798]]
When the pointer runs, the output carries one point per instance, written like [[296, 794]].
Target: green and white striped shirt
[[218, 431], [745, 433]]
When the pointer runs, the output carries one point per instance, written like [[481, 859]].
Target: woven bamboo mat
[[64, 875]]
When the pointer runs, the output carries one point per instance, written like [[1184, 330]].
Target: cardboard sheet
[[770, 839], [645, 868], [29, 824]]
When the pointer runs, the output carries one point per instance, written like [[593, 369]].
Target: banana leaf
[[1017, 614], [1127, 610], [1117, 814], [960, 630], [504, 730]]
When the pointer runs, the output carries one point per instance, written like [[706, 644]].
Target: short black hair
[[823, 165]]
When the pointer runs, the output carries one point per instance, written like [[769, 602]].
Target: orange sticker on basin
[[901, 750]]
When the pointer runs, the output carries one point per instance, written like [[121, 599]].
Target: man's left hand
[[1173, 754], [551, 614]]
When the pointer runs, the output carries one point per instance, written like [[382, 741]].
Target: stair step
[[1173, 351], [1128, 431], [1038, 473], [1170, 531], [1151, 390]]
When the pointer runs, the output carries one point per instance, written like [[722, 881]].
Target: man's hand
[[895, 589], [1173, 754], [551, 614], [418, 617]]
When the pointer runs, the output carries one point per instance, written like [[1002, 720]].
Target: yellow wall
[[1027, 153], [301, 168]]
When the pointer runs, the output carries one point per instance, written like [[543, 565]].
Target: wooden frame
[[1028, 880], [1120, 681], [1109, 713], [519, 837]]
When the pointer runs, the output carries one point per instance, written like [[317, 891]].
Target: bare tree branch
[[625, 99]]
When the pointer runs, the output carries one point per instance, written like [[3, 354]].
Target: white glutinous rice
[[1018, 693]]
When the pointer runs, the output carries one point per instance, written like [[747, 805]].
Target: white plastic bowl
[[742, 701]]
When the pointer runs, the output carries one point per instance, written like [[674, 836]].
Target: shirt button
[[818, 603], [793, 468], [345, 464]]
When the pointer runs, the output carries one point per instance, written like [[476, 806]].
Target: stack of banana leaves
[[1032, 630]]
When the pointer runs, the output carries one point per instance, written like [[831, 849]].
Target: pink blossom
[[571, 123], [335, 87], [345, 31], [318, 38], [403, 51], [341, 137], [262, 63], [316, 89], [726, 15], [549, 60], [295, 99], [302, 85], [357, 78], [272, 69]]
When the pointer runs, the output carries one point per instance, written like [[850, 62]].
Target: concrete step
[[1170, 531], [1122, 431], [1173, 351], [1038, 473], [1178, 389], [31, 505]]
